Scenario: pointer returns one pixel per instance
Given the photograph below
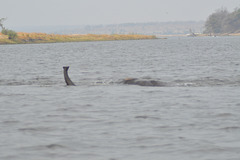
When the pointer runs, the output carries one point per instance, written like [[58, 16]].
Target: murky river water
[[195, 116]]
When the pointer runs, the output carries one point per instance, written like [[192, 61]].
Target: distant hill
[[154, 28]]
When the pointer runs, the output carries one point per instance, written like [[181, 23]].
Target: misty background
[[110, 16]]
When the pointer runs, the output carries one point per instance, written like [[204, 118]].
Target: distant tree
[[1, 23], [223, 22], [215, 22], [10, 33], [234, 21]]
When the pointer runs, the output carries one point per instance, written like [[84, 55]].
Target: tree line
[[223, 21]]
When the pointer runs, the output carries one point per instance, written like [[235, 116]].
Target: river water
[[195, 116]]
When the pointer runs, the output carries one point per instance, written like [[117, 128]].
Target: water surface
[[195, 116]]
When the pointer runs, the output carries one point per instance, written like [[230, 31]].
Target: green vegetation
[[223, 22], [10, 33]]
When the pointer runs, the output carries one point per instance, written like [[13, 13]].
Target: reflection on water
[[194, 114]]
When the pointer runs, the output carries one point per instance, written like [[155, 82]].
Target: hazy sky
[[88, 12]]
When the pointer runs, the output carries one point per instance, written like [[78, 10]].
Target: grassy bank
[[23, 38]]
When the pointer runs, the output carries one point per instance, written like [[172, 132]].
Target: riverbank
[[24, 38]]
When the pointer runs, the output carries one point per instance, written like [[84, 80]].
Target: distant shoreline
[[199, 35], [32, 38]]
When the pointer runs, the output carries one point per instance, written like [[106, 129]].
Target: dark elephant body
[[143, 82]]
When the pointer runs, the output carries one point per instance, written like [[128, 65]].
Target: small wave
[[10, 122], [34, 81], [207, 150], [146, 117], [206, 82], [54, 146], [142, 117], [35, 129], [224, 115], [231, 128], [12, 94]]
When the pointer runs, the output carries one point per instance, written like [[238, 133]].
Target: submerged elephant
[[130, 81]]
